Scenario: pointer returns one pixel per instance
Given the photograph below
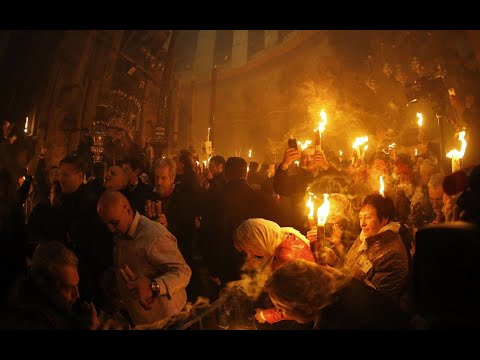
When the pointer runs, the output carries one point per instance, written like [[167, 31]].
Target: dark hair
[[235, 168], [218, 160], [75, 161], [303, 286], [383, 204]]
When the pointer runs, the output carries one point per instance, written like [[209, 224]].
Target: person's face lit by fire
[[307, 161], [163, 180], [436, 198], [70, 178], [215, 169], [116, 178], [379, 167], [369, 221]]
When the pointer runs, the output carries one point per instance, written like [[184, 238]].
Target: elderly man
[[49, 295], [177, 208], [146, 255], [378, 256]]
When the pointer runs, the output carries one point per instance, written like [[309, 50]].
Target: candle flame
[[322, 212], [26, 124], [323, 123], [365, 148], [304, 144], [297, 163], [204, 163], [359, 141], [340, 152], [392, 146], [420, 119], [310, 207], [416, 152], [459, 154], [250, 153], [382, 186]]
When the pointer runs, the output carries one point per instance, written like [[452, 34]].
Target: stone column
[[271, 38], [203, 61], [239, 48]]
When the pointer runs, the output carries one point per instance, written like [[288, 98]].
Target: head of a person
[[307, 161], [115, 211], [426, 170], [216, 165], [53, 174], [235, 169], [55, 194], [132, 167], [257, 237], [301, 289], [187, 159], [99, 170], [116, 178], [435, 192], [71, 173], [380, 165], [165, 172], [376, 212], [55, 271]]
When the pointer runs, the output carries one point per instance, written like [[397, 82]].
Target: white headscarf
[[261, 237]]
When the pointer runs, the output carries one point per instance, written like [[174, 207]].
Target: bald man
[[151, 272]]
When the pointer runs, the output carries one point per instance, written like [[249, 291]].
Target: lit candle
[[356, 145], [322, 215], [391, 149], [250, 153], [456, 155], [26, 125], [310, 206], [208, 135], [416, 152], [318, 132], [382, 187], [420, 120], [297, 163], [204, 165]]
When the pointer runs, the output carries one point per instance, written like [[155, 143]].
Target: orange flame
[[250, 153], [304, 144], [310, 207], [420, 119], [359, 141], [459, 154], [322, 212], [323, 123]]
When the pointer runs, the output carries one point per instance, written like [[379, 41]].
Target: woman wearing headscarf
[[275, 245]]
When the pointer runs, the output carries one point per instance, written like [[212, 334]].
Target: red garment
[[290, 249]]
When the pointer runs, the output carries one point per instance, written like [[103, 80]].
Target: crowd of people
[[126, 245]]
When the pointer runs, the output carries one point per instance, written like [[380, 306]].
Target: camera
[[292, 143]]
